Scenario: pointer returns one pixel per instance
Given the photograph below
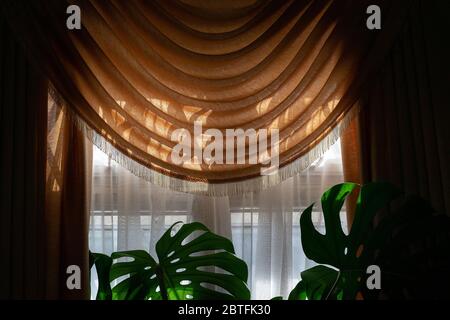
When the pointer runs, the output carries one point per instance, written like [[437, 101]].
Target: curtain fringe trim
[[211, 189]]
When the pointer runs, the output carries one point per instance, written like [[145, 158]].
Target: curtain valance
[[139, 70]]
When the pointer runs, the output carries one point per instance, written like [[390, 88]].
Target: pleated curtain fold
[[66, 222], [44, 183], [405, 135], [23, 133], [139, 70]]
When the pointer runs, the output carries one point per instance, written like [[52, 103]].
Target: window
[[128, 213]]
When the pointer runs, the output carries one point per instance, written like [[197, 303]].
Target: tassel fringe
[[210, 189]]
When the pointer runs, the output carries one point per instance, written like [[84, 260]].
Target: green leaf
[[194, 263], [319, 282], [299, 292], [335, 248], [372, 198], [328, 248], [102, 264]]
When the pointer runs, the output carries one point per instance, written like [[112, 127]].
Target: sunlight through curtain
[[138, 70], [129, 213]]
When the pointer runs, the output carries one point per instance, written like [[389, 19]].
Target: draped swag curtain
[[405, 135], [138, 70]]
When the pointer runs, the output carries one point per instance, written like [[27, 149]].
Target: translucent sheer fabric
[[129, 213], [138, 70]]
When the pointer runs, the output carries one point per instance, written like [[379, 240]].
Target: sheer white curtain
[[128, 213]]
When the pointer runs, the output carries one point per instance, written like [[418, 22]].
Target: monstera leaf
[[102, 264], [316, 284], [189, 266], [343, 257]]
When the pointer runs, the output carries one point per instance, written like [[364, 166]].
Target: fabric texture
[[43, 216], [351, 164], [67, 198], [138, 70], [128, 213], [405, 136]]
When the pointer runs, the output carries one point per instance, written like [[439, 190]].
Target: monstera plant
[[103, 264], [400, 235], [342, 257], [192, 264]]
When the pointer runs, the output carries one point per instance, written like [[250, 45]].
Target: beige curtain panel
[[138, 70]]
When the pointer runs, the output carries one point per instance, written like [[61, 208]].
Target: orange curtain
[[67, 204], [43, 207], [351, 162], [138, 70]]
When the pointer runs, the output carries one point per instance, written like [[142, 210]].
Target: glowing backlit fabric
[[138, 70]]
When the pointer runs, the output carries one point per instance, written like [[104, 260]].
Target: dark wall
[[23, 119]]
